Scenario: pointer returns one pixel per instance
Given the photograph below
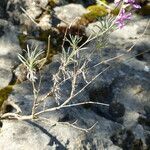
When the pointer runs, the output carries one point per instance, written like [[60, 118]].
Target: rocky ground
[[124, 125]]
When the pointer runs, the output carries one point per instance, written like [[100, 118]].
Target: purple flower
[[131, 2], [123, 16], [136, 6]]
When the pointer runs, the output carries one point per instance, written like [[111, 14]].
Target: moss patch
[[22, 38], [4, 93], [53, 3], [95, 11], [115, 11]]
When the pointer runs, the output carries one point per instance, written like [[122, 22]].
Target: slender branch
[[16, 116], [35, 93], [79, 128], [48, 52], [84, 103], [102, 3], [67, 123]]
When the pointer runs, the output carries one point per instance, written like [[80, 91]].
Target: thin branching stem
[[70, 98]]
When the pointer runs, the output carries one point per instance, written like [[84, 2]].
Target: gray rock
[[5, 77], [3, 5], [17, 135], [135, 90], [45, 22], [139, 132], [127, 140], [1, 31], [9, 51], [131, 72], [113, 147], [128, 35], [21, 72], [122, 40], [67, 18], [84, 3], [125, 84], [9, 42], [9, 45], [69, 137], [2, 14], [32, 7], [3, 24]]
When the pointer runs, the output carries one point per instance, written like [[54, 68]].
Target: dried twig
[[80, 128]]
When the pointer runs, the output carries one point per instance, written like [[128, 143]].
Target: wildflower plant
[[73, 66], [31, 61]]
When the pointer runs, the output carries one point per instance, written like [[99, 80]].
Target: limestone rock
[[67, 18], [32, 7], [9, 49], [17, 135], [5, 77]]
